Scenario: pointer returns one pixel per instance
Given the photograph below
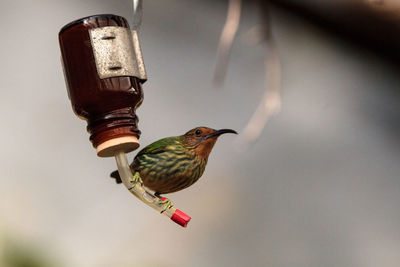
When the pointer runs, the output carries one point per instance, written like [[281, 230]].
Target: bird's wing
[[156, 147]]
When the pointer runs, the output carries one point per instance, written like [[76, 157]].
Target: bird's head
[[202, 139]]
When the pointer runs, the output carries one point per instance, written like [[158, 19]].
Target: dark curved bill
[[219, 132]]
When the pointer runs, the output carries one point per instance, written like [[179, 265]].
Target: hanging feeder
[[104, 73]]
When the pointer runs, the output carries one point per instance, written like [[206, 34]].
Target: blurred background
[[319, 185]]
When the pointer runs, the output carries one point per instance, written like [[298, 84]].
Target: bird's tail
[[116, 176]]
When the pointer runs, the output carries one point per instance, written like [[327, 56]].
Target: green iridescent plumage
[[174, 163]]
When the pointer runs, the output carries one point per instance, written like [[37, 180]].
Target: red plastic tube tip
[[181, 218]]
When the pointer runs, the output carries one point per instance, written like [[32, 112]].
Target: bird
[[174, 163]]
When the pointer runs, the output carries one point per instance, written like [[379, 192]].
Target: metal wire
[[137, 14]]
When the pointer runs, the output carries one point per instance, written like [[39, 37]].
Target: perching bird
[[174, 163]]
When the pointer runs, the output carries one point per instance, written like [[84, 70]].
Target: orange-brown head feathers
[[202, 139]]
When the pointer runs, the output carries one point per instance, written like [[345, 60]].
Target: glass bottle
[[109, 104]]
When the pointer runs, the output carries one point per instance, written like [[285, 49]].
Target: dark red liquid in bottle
[[108, 105]]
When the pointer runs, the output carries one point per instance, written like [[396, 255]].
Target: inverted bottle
[[104, 72]]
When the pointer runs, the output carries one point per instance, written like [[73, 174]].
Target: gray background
[[320, 187]]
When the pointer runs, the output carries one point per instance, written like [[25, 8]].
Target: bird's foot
[[134, 180], [166, 202]]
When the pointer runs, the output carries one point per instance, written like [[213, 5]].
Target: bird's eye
[[198, 132]]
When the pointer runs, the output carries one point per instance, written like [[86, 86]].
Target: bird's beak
[[219, 132]]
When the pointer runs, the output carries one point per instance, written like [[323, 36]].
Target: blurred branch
[[270, 103], [225, 43]]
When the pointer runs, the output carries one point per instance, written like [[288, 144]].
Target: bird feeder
[[104, 73]]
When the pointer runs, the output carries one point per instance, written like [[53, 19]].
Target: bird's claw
[[167, 204], [134, 180]]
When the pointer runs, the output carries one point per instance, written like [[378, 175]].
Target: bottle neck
[[114, 130]]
